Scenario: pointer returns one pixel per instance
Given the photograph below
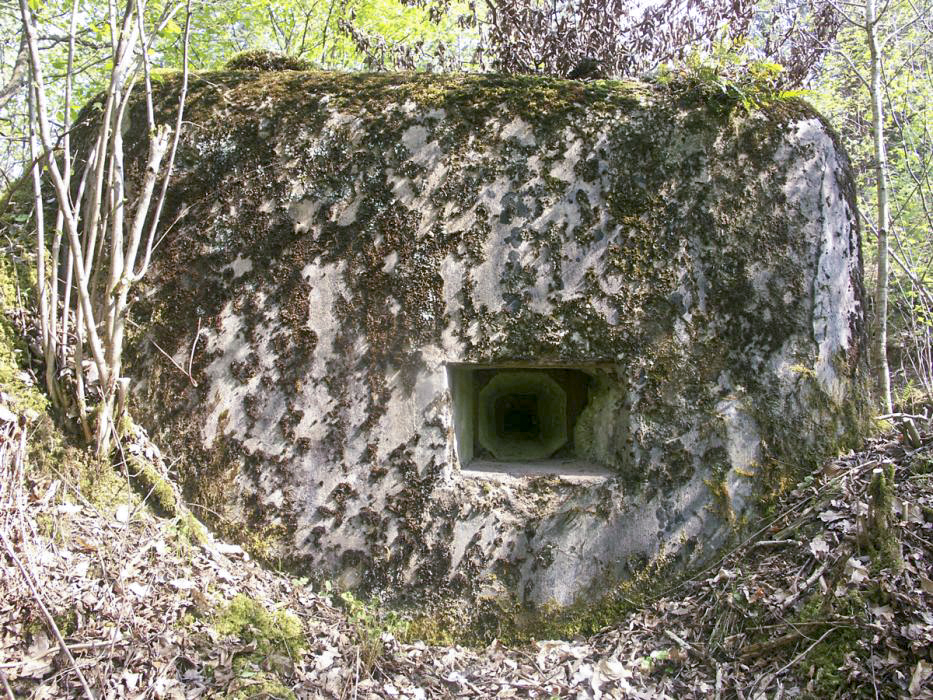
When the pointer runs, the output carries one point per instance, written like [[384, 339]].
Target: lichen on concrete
[[343, 241]]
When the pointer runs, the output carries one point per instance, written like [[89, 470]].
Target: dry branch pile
[[831, 597]]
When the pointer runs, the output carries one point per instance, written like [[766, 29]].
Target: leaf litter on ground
[[807, 607]]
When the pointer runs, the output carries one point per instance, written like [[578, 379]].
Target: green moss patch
[[278, 631]]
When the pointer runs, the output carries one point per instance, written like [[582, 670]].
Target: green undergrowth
[[51, 452], [753, 84], [251, 683], [371, 621], [827, 658], [17, 280], [272, 641]]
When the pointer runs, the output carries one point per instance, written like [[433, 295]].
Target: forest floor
[[831, 597]]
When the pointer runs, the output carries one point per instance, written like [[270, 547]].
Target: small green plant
[[51, 527], [277, 636], [371, 622], [656, 658], [67, 622], [826, 660], [921, 465], [729, 72]]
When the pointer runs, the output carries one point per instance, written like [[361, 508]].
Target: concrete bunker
[[462, 334]]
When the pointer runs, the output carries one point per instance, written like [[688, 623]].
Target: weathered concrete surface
[[348, 244]]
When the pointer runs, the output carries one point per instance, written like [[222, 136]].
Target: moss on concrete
[[678, 193], [17, 285], [502, 618]]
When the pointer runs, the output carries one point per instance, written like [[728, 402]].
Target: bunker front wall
[[383, 282]]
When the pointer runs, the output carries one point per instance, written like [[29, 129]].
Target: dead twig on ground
[[820, 570], [47, 615], [6, 686], [774, 543], [691, 649], [806, 651]]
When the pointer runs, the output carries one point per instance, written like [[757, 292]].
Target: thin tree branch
[[157, 215], [18, 75]]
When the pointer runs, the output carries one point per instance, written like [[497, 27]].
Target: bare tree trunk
[[880, 330]]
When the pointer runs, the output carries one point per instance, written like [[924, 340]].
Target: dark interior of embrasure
[[521, 418]]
